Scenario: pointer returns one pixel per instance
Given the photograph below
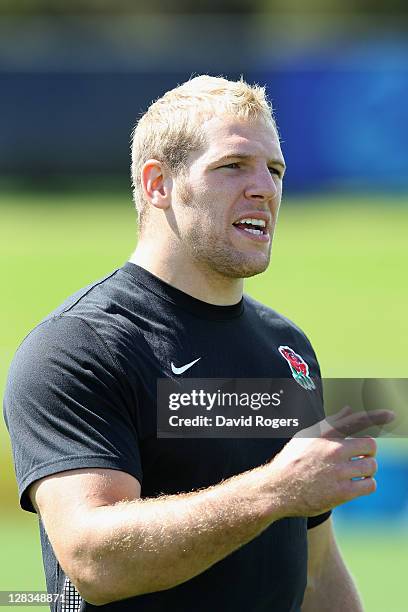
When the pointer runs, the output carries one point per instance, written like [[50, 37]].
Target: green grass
[[339, 270], [21, 562], [378, 561]]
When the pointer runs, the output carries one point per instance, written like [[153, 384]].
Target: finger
[[359, 447], [333, 418], [345, 411], [366, 486], [354, 423], [365, 467], [322, 427]]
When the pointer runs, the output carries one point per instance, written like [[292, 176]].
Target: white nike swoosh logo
[[183, 368]]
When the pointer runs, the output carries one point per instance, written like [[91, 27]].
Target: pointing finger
[[355, 423], [345, 411]]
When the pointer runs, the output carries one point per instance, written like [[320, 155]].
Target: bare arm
[[114, 545], [330, 587], [115, 549]]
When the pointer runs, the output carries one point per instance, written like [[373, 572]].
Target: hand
[[314, 471]]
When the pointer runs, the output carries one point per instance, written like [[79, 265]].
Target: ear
[[156, 184]]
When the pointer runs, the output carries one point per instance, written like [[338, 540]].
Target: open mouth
[[254, 227]]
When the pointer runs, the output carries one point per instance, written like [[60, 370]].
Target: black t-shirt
[[81, 393]]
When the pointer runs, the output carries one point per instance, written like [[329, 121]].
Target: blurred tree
[[335, 7], [58, 7]]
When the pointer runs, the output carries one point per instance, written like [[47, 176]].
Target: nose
[[262, 188]]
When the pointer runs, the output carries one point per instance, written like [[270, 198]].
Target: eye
[[275, 171], [232, 165]]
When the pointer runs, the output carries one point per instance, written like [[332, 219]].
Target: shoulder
[[97, 315], [87, 330], [60, 350], [85, 296], [270, 317]]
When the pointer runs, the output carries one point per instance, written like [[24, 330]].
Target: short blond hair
[[171, 127]]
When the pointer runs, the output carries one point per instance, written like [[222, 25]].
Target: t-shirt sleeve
[[314, 521], [67, 406]]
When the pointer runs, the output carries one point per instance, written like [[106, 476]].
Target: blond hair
[[171, 127]]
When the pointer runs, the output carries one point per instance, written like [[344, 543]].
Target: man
[[132, 522]]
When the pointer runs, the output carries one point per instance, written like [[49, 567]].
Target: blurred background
[[75, 76]]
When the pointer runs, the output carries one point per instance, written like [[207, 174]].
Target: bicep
[[65, 502]]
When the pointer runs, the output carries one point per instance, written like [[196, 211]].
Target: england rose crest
[[298, 367]]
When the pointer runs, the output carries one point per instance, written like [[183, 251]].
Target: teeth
[[253, 231], [258, 222]]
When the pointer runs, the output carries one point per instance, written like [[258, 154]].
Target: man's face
[[236, 178]]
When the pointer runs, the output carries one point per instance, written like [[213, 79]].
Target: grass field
[[339, 269]]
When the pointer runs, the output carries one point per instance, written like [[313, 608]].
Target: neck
[[195, 280]]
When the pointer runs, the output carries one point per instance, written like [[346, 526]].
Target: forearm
[[144, 546], [113, 551], [333, 590]]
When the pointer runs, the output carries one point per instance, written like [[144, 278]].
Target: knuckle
[[366, 464], [372, 465], [371, 485], [365, 487], [372, 445], [365, 467]]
